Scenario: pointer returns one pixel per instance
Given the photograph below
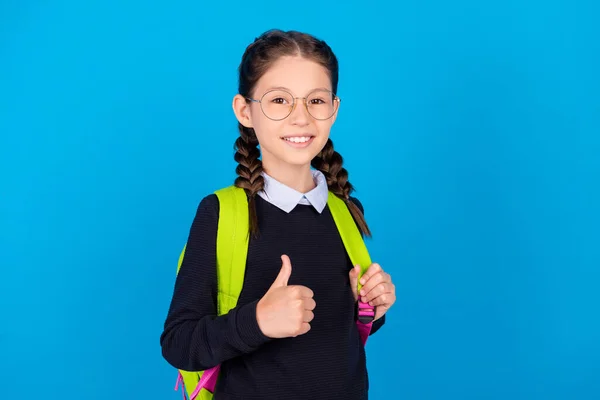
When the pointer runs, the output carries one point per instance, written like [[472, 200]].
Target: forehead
[[299, 75]]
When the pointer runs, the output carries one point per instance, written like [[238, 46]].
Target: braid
[[257, 59], [249, 170], [329, 162]]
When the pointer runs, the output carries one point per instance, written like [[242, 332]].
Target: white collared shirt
[[286, 198]]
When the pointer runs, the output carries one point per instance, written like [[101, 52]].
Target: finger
[[385, 300], [377, 291], [284, 274], [372, 282], [372, 270], [304, 328], [304, 292], [309, 304], [379, 278], [308, 316], [354, 272]]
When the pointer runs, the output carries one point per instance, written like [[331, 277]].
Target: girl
[[293, 334]]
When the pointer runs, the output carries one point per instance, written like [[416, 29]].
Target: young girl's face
[[297, 139]]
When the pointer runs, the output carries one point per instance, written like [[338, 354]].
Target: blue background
[[471, 130]]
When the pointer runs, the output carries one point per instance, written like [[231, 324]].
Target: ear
[[241, 109], [336, 112]]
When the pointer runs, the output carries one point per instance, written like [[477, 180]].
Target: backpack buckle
[[366, 313]]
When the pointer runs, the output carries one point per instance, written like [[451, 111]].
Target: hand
[[378, 290], [285, 311]]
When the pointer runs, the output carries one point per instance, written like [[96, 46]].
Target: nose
[[300, 115]]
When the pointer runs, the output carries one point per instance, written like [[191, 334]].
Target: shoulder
[[211, 202], [206, 216]]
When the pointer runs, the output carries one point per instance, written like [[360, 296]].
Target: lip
[[298, 145], [298, 135]]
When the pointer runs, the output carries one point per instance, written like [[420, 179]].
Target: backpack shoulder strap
[[353, 241], [358, 253], [232, 246]]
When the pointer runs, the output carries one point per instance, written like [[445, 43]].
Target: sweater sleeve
[[194, 337], [381, 321]]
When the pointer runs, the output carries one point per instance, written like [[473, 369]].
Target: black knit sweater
[[326, 363]]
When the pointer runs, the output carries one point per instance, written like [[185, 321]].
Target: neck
[[298, 177]]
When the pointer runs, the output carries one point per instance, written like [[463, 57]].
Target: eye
[[317, 101], [281, 100]]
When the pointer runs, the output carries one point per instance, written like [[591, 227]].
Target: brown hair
[[257, 58]]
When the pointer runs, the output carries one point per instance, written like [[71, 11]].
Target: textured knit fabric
[[326, 363]]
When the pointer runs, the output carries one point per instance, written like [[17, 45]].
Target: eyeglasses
[[278, 104]]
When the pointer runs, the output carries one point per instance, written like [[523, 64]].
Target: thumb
[[354, 280], [284, 274]]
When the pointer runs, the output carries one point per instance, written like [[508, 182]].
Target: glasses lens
[[321, 104], [277, 104]]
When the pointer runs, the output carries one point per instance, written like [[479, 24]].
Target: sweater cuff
[[248, 328], [377, 324]]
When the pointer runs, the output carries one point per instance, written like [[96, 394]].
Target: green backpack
[[232, 247]]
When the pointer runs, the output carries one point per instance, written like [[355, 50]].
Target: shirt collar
[[286, 198]]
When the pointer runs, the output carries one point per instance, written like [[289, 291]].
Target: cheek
[[323, 129], [267, 130]]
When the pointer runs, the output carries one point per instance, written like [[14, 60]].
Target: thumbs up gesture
[[285, 311]]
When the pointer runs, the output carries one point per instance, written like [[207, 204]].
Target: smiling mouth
[[298, 139], [299, 142]]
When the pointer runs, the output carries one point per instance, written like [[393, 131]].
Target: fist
[[285, 311], [377, 290]]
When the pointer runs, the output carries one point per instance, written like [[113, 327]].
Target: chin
[[294, 154], [298, 160], [302, 155]]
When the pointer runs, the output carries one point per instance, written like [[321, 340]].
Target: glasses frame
[[293, 106]]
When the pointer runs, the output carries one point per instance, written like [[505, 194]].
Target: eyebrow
[[289, 90]]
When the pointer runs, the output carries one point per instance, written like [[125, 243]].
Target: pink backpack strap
[[180, 382], [208, 381], [364, 322]]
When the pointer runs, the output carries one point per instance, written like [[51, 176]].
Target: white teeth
[[298, 139]]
